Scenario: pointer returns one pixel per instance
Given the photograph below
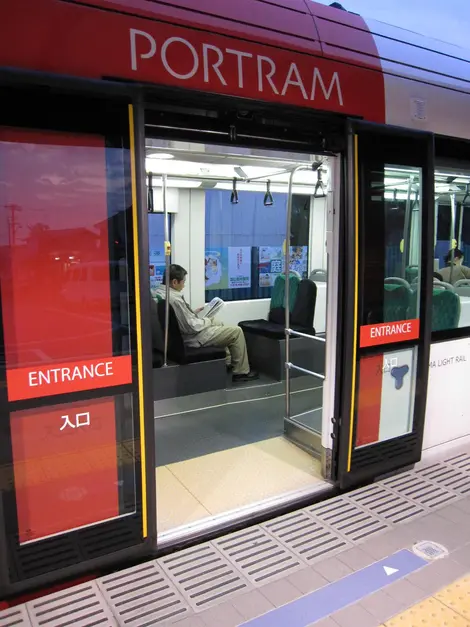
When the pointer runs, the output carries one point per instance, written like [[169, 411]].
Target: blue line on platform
[[336, 596]]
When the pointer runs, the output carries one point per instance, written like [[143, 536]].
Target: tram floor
[[225, 451]]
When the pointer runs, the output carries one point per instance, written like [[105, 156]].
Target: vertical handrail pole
[[459, 241], [287, 290], [167, 268], [453, 209], [407, 229]]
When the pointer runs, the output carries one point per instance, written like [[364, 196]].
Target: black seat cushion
[[157, 335], [304, 307], [177, 351], [203, 353]]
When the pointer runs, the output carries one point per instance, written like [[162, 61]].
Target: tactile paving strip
[[414, 487], [15, 617], [348, 519], [204, 576], [429, 613], [81, 606], [457, 597], [143, 596], [306, 537], [257, 555], [392, 507], [447, 476]]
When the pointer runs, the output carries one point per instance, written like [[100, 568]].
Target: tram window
[[244, 242], [65, 297], [392, 244], [451, 296]]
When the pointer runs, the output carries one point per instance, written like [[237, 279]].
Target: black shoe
[[249, 376]]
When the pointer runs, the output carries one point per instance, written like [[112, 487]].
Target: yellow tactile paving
[[429, 613], [457, 597]]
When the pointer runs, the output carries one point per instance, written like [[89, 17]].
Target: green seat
[[445, 310], [397, 300], [279, 291], [411, 273]]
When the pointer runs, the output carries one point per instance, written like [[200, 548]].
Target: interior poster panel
[[55, 269], [272, 261], [227, 268], [447, 407], [64, 460]]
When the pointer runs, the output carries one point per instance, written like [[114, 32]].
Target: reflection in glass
[[392, 240], [451, 290]]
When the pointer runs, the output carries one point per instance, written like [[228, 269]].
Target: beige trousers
[[233, 340]]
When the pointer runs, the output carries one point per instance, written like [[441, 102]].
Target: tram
[[309, 171]]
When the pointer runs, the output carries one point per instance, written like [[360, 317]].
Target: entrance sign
[[23, 383], [389, 333]]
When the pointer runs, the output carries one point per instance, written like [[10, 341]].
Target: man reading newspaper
[[206, 331]]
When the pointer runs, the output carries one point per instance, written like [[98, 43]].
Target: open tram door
[[310, 357], [385, 325]]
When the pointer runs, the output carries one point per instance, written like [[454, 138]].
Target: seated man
[[204, 331], [454, 270]]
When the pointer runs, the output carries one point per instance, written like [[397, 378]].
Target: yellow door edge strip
[[356, 285], [138, 322]]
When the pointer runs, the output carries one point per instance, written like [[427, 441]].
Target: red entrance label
[[389, 332], [38, 381]]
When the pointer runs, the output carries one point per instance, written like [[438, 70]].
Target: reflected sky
[[448, 21]]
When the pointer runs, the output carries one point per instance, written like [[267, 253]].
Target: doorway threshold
[[213, 525]]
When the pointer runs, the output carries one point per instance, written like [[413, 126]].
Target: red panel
[[389, 332], [77, 376], [369, 400], [290, 25], [65, 476], [54, 273], [70, 39]]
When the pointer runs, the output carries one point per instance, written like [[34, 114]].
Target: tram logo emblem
[[399, 373]]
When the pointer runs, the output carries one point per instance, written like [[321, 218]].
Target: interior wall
[[188, 246]]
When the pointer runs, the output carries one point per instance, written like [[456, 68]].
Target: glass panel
[[68, 318], [385, 400], [65, 460], [451, 293], [64, 264], [244, 242], [391, 253]]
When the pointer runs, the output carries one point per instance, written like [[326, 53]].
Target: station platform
[[395, 554]]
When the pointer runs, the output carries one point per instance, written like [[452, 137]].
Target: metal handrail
[[167, 269], [288, 330], [309, 337], [292, 366]]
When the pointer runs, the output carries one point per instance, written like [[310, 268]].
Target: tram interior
[[221, 447]]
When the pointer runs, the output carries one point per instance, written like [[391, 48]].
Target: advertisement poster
[[227, 268], [156, 267], [271, 263]]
